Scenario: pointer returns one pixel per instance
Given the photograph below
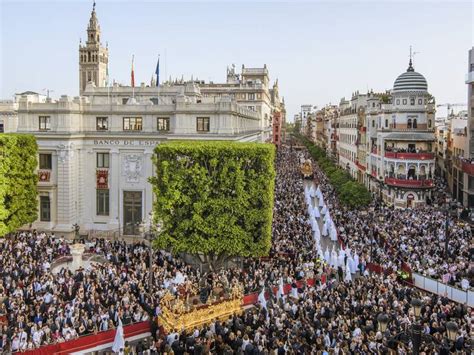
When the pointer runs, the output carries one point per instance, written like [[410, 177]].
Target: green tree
[[214, 199], [18, 181]]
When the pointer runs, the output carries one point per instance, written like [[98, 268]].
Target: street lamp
[[382, 320], [417, 304], [452, 330]]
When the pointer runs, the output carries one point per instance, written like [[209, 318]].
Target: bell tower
[[93, 57]]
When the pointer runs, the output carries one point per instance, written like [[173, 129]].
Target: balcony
[[468, 167], [422, 183], [410, 156]]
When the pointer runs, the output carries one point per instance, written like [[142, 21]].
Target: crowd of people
[[42, 307]]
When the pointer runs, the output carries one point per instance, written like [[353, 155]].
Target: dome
[[410, 81]]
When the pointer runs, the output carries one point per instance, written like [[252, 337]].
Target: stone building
[[95, 149]]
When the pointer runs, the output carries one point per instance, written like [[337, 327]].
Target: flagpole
[[133, 77]]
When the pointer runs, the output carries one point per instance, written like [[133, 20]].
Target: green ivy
[[214, 198], [18, 181], [350, 192]]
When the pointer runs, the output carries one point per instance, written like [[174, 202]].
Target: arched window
[[414, 123], [409, 123], [89, 56]]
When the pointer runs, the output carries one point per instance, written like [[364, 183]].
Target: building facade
[[386, 140], [95, 149]]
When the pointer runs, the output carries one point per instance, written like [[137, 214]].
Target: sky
[[320, 51]]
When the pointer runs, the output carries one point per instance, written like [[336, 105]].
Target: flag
[[261, 298], [119, 340], [157, 71], [133, 73]]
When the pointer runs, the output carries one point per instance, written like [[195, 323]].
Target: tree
[[18, 181], [214, 199]]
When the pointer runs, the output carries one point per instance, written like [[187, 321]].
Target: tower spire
[[410, 63]]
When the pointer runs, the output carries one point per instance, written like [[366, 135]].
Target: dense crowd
[[41, 307]]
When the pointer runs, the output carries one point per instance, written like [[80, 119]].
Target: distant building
[[95, 149]]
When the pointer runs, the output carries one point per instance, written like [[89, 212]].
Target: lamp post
[[416, 332]]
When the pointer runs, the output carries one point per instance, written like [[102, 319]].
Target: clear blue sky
[[320, 51]]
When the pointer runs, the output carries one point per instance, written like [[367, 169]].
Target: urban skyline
[[324, 35]]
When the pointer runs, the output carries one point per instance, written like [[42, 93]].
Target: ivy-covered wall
[[18, 181], [214, 199]]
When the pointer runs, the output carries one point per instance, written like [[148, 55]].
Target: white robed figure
[[325, 231], [316, 234], [319, 194], [340, 258], [326, 255], [321, 202], [324, 210], [348, 275], [310, 210], [333, 232], [261, 298], [334, 262], [312, 192], [119, 340], [352, 264], [316, 213], [294, 292], [281, 290], [356, 260], [326, 217]]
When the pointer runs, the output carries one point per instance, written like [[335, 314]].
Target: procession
[[313, 239]]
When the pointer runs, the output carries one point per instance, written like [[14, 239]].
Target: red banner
[[102, 179], [90, 341]]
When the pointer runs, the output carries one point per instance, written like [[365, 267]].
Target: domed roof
[[410, 81]]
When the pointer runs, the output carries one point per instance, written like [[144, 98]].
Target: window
[[163, 124], [1, 127], [44, 123], [202, 124], [415, 125], [386, 123], [252, 96], [409, 123], [412, 101], [102, 202], [102, 123], [45, 161], [429, 125], [102, 160], [398, 101], [124, 100], [404, 101], [132, 123], [373, 123], [45, 209], [420, 101]]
